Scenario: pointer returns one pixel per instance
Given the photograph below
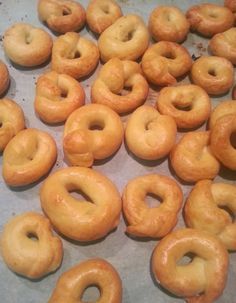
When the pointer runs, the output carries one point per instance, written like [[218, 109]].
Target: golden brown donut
[[114, 77], [164, 61], [100, 14], [223, 108], [4, 77], [62, 16], [202, 280], [189, 105], [28, 246], [214, 74], [144, 221], [57, 96], [231, 4], [28, 157], [93, 272], [204, 210], [11, 121], [192, 158], [209, 19], [221, 144], [27, 45], [150, 135], [126, 39], [74, 55], [168, 23], [77, 219], [93, 131]]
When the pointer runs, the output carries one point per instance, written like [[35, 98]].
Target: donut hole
[[28, 38], [64, 93], [105, 9], [1, 124], [232, 139], [128, 36], [77, 54], [153, 200], [80, 195], [212, 72], [32, 236], [97, 125], [169, 55], [66, 11], [213, 15], [186, 259], [91, 294], [183, 107], [229, 211]]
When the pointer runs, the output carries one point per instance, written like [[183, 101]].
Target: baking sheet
[[130, 257]]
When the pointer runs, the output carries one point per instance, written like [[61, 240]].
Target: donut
[[165, 61], [192, 159], [79, 219], [74, 55], [4, 78], [189, 105], [221, 140], [11, 121], [201, 280], [127, 39], [28, 156], [214, 74], [144, 221], [27, 45], [168, 23], [114, 77], [150, 135], [225, 107], [62, 16], [204, 210], [93, 272], [231, 4], [91, 132], [100, 14], [28, 246], [57, 96], [209, 19]]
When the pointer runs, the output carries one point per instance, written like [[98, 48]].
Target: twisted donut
[[11, 121], [126, 39], [113, 77], [93, 131], [150, 135], [4, 77], [204, 278], [57, 96], [164, 61], [189, 105], [28, 246], [74, 55], [192, 158], [62, 16], [94, 272], [223, 108], [81, 220], [27, 45], [28, 157], [144, 221], [203, 210]]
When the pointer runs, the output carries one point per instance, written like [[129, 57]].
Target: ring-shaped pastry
[[57, 96], [28, 156], [231, 4], [4, 77], [114, 77], [80, 219], [223, 108], [92, 272], [28, 246]]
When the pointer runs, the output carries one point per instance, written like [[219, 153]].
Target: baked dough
[[4, 78]]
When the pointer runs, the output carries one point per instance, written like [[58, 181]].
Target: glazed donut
[[144, 221], [203, 210], [62, 16], [214, 74], [57, 96], [164, 61], [93, 131], [150, 135], [4, 77], [221, 144], [74, 55], [168, 23], [28, 246], [93, 272], [209, 19], [11, 121], [204, 278], [28, 157], [115, 76], [192, 159], [101, 14], [189, 105], [81, 220], [223, 108], [27, 45], [126, 39]]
